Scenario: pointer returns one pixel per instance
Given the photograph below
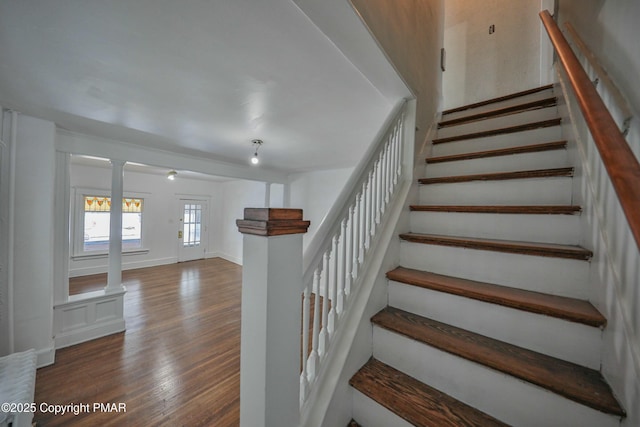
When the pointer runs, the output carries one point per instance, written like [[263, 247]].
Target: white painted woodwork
[[62, 232], [114, 274], [33, 249], [543, 228], [196, 213], [559, 338], [556, 276], [368, 412], [88, 316], [542, 191], [270, 335], [507, 398], [355, 226], [501, 104], [18, 379], [509, 120], [511, 163], [534, 136], [615, 271]]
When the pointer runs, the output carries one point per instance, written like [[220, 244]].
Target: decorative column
[[271, 316], [114, 276], [61, 231]]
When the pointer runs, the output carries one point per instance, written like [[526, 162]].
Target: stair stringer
[[614, 276]]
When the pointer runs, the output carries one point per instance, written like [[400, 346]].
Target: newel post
[[271, 316]]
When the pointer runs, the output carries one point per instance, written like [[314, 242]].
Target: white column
[[271, 317], [114, 276], [61, 229]]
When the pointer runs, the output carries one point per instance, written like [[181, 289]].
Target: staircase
[[488, 321]]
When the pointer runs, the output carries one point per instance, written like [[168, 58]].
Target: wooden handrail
[[619, 161]]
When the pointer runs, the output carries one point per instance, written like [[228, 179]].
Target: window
[[93, 215]]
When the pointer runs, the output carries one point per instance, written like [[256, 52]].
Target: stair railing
[[621, 164], [598, 74], [333, 261]]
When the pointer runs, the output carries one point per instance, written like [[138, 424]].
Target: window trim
[[77, 238]]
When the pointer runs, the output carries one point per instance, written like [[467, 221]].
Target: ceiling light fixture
[[256, 143], [171, 175]]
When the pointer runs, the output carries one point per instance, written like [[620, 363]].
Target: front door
[[192, 233]]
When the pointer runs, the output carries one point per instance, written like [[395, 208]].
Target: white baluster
[[349, 277], [390, 170], [330, 282], [381, 203], [384, 156], [394, 145], [356, 237], [342, 293], [400, 148], [334, 283], [322, 350], [374, 195], [362, 224], [326, 325], [367, 214], [312, 361], [304, 380]]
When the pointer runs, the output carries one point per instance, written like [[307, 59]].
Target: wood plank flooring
[[178, 363]]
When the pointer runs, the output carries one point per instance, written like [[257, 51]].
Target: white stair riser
[[367, 412], [534, 136], [504, 397], [561, 229], [521, 118], [555, 276], [528, 191], [497, 105], [511, 163], [555, 337]]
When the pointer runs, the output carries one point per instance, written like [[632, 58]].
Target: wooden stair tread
[[583, 385], [533, 148], [501, 209], [570, 309], [416, 402], [499, 176], [498, 99], [500, 131], [508, 246], [499, 112]]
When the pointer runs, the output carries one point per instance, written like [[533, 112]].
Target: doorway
[[192, 233]]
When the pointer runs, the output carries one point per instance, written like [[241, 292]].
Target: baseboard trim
[[45, 357], [77, 336], [230, 258], [85, 271]]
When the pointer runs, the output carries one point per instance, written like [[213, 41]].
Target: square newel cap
[[272, 222]]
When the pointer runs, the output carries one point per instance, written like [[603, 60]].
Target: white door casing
[[192, 229]]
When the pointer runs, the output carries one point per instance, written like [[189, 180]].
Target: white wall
[[609, 28], [33, 246], [160, 217], [480, 65], [315, 193], [237, 195]]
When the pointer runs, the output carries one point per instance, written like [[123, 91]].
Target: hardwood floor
[[178, 363]]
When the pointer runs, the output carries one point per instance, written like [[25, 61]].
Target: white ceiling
[[191, 76]]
